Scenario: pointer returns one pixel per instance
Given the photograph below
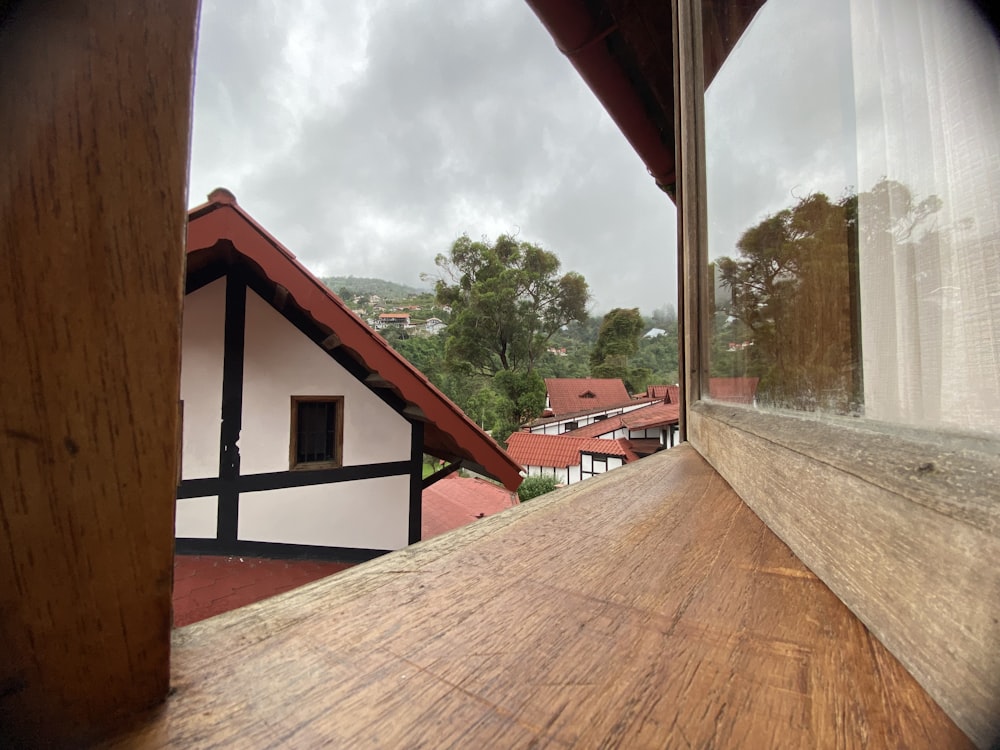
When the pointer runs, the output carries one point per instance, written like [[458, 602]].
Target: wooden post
[[689, 113], [94, 129]]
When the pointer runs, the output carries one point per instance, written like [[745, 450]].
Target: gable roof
[[567, 395], [657, 415], [654, 415], [456, 501], [221, 234], [560, 451], [669, 393]]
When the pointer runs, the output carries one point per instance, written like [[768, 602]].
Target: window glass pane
[[315, 431], [853, 176]]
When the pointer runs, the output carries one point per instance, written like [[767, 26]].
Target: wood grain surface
[[903, 530], [94, 110], [647, 607]]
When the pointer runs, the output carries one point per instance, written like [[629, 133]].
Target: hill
[[350, 286]]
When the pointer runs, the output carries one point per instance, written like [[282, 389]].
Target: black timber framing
[[241, 275]]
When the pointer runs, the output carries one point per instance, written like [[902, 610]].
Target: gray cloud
[[368, 141]]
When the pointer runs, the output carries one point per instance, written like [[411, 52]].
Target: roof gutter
[[578, 36]]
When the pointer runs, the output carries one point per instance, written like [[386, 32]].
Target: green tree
[[793, 295], [534, 486], [508, 300], [617, 341], [522, 399]]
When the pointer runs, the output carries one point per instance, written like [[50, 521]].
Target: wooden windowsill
[[647, 607]]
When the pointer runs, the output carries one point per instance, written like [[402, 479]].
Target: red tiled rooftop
[[631, 402], [657, 415], [456, 501], [578, 394], [668, 393], [598, 428], [207, 585], [560, 451]]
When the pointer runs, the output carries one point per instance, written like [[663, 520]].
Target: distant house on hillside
[[652, 333], [434, 326], [303, 431], [392, 320], [567, 459]]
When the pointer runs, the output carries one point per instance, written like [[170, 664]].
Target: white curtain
[[927, 106]]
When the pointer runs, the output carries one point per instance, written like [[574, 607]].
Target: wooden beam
[[901, 524], [93, 162], [691, 213], [331, 342], [280, 297], [374, 380]]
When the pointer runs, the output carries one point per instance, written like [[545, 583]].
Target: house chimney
[[222, 195]]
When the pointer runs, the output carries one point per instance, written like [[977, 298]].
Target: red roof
[[568, 395], [220, 232], [456, 501], [394, 315], [632, 402], [598, 428], [739, 390], [668, 393], [657, 415], [560, 451]]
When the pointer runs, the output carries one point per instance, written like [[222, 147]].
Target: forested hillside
[[513, 319], [347, 287]]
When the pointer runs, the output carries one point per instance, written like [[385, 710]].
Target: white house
[[303, 432], [567, 459], [434, 325]]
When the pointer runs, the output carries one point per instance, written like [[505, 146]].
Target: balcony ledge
[[646, 607]]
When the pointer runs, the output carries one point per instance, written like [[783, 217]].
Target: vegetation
[[349, 287], [508, 301], [617, 341], [792, 313], [534, 486], [791, 292], [546, 331]]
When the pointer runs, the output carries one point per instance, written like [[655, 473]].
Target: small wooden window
[[317, 432]]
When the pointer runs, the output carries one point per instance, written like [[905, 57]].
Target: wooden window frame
[[338, 448], [903, 524]]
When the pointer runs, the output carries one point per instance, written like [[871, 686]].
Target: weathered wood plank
[[647, 607], [94, 130], [912, 553], [692, 222]]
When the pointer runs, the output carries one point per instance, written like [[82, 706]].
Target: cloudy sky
[[368, 135]]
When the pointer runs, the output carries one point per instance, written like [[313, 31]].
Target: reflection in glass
[[853, 174]]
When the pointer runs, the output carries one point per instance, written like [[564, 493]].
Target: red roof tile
[[220, 231], [598, 428], [585, 394], [587, 412], [560, 451], [456, 501], [738, 390], [658, 415], [669, 393]]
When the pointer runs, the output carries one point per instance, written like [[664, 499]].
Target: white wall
[[202, 341], [368, 514], [196, 517], [279, 361]]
